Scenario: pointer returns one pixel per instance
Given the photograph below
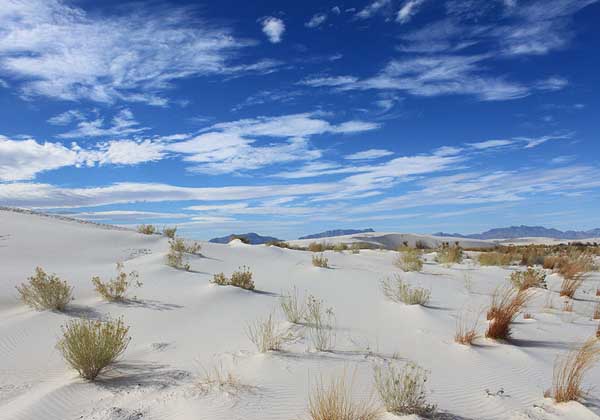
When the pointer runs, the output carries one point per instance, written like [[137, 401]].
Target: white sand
[[180, 322]]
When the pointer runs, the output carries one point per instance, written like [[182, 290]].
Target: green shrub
[[170, 232], [398, 290], [45, 291], [116, 289], [147, 229], [90, 346], [242, 278], [176, 255]]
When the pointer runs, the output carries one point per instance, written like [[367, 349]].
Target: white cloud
[[488, 144], [3, 84], [129, 152], [122, 124], [373, 8], [273, 28], [58, 50], [336, 10], [66, 117], [369, 154], [408, 10], [552, 83], [316, 21], [329, 81]]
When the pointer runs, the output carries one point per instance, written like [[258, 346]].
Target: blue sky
[[288, 118]]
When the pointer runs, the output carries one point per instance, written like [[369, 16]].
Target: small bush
[[596, 314], [570, 369], [266, 336], [320, 261], [398, 290], [242, 278], [403, 390], [506, 305], [292, 306], [466, 329], [494, 258], [220, 279], [355, 248], [409, 260], [45, 291], [421, 244], [447, 254], [116, 289], [90, 346], [278, 244], [322, 324], [333, 401], [176, 255], [147, 229], [523, 280], [170, 232], [316, 247], [340, 247]]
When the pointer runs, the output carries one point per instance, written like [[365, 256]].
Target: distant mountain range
[[253, 238], [337, 232], [527, 232]]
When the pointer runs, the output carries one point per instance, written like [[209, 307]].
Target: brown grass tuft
[[596, 314], [506, 305], [409, 259], [447, 254], [466, 328]]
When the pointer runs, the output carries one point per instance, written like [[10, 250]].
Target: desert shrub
[[447, 254], [90, 346], [506, 305], [147, 229], [219, 378], [279, 244], [242, 278], [596, 314], [409, 260], [266, 336], [355, 248], [570, 369], [170, 232], [45, 291], [116, 289], [320, 261], [532, 277], [176, 255], [398, 290], [494, 258], [340, 247], [179, 245], [316, 247], [333, 401], [466, 328], [220, 279], [569, 285], [533, 255], [403, 390], [421, 244], [292, 306], [321, 321], [551, 262]]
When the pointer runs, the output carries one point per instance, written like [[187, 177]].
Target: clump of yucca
[[532, 277], [45, 291], [267, 336], [292, 306], [403, 390], [506, 305], [409, 259], [90, 346], [170, 232], [495, 258], [320, 261], [116, 289], [333, 401], [147, 229], [447, 254], [398, 290], [570, 369]]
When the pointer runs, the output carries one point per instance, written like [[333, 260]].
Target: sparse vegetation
[[242, 278], [340, 247], [596, 314], [403, 390], [355, 248], [570, 369], [398, 290], [45, 291], [176, 255], [409, 259], [116, 289], [220, 279], [320, 261], [147, 229], [333, 401], [292, 306], [569, 285], [494, 258], [532, 277], [90, 346], [322, 324], [449, 254], [266, 335], [170, 232], [466, 328], [568, 305], [506, 305]]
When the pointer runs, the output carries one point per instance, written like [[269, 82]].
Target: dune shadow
[[266, 293], [85, 312], [155, 305], [438, 308], [528, 343], [451, 416], [141, 374]]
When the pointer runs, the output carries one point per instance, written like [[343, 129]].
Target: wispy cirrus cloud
[[122, 124], [408, 10]]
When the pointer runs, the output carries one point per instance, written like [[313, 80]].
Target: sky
[[289, 118]]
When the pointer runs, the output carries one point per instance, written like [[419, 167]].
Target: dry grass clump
[[292, 306], [597, 292], [568, 305], [241, 278], [403, 390], [532, 277], [169, 232], [355, 248], [90, 346], [409, 260], [570, 369], [598, 331], [466, 328], [506, 305], [266, 335], [45, 291], [447, 254], [147, 229], [320, 261], [569, 285], [596, 314], [398, 290], [321, 321], [116, 289], [333, 401], [494, 258], [316, 247], [340, 247]]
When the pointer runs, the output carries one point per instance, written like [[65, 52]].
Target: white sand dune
[[181, 323]]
